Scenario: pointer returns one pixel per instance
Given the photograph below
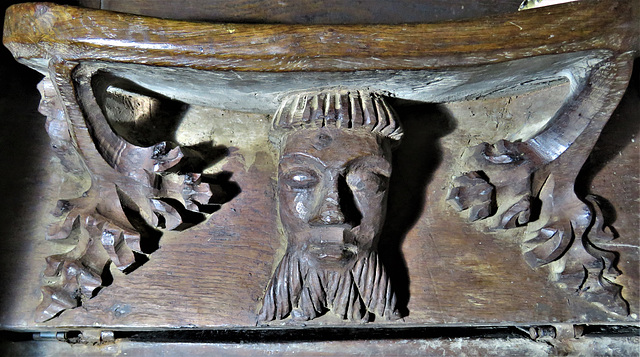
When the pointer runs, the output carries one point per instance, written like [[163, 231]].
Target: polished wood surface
[[80, 34]]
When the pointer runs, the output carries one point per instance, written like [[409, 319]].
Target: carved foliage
[[474, 193], [568, 241], [562, 231], [134, 191], [534, 182]]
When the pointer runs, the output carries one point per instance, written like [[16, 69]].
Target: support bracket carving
[[534, 188], [135, 193]]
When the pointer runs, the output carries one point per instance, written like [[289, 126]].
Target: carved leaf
[[517, 214], [549, 244], [134, 191], [474, 193], [571, 232], [566, 232], [71, 278]]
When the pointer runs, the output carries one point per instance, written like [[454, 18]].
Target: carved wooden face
[[332, 193]]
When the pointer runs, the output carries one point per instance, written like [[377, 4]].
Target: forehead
[[332, 146]]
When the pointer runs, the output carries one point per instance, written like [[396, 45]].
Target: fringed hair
[[337, 109]]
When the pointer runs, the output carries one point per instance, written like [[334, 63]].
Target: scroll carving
[[135, 192], [533, 182], [562, 232], [333, 174]]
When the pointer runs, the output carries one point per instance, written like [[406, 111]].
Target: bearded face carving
[[333, 175]]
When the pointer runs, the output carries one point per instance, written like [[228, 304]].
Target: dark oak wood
[[125, 177], [82, 34], [333, 177], [444, 269], [310, 12]]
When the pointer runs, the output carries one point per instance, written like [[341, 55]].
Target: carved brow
[[305, 156], [376, 164]]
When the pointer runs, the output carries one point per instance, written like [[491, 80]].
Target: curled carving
[[135, 191], [549, 244], [580, 265], [517, 214], [472, 192], [533, 189], [73, 277], [551, 241], [502, 152], [599, 285], [479, 191], [565, 233]]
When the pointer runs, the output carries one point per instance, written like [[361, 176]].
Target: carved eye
[[300, 179], [367, 181]]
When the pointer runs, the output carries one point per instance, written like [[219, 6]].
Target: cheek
[[372, 207], [295, 206], [301, 206]]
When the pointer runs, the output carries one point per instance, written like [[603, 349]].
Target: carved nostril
[[332, 217], [329, 212]]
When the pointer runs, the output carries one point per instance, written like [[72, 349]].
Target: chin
[[336, 277]]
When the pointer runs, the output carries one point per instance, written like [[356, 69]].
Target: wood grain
[[83, 34], [449, 271], [214, 275]]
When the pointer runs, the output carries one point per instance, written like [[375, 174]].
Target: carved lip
[[332, 234], [334, 242], [331, 251]]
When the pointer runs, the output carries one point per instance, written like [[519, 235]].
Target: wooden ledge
[[45, 30]]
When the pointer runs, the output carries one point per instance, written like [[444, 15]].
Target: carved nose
[[329, 212]]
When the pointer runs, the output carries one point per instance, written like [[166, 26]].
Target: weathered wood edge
[[78, 34], [406, 346]]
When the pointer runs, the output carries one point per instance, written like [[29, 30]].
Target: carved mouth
[[333, 243], [333, 252], [332, 234]]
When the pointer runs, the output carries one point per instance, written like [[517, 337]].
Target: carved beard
[[306, 292]]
